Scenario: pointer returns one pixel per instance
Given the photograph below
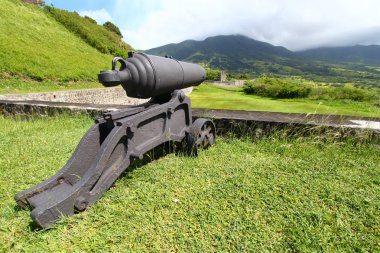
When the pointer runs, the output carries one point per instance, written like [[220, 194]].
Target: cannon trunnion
[[119, 138]]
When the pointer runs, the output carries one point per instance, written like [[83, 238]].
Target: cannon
[[119, 138]]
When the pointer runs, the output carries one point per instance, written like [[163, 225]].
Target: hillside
[[358, 54], [35, 46], [95, 35], [240, 54]]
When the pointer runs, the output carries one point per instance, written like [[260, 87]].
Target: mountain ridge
[[241, 54], [368, 53]]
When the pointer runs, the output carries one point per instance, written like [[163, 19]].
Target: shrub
[[275, 88], [90, 19], [112, 28], [341, 93], [243, 76], [212, 74], [97, 36]]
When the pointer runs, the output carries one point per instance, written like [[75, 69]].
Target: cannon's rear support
[[107, 150]]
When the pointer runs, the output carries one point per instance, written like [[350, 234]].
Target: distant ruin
[[223, 76]]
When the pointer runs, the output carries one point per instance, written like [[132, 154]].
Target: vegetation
[[34, 46], [16, 85], [241, 76], [300, 88], [90, 19], [348, 92], [106, 39], [276, 194], [275, 88], [113, 28], [212, 74], [211, 96]]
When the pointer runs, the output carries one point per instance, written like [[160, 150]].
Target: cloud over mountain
[[295, 24]]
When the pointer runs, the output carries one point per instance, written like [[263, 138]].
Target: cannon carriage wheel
[[201, 136]]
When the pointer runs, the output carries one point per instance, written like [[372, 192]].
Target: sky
[[294, 24]]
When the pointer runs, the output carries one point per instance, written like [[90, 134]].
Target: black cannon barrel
[[145, 76]]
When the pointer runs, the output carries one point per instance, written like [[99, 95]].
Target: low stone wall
[[239, 123], [101, 96], [90, 96], [233, 83]]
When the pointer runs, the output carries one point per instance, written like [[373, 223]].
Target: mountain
[[232, 52], [240, 54], [232, 45], [359, 54]]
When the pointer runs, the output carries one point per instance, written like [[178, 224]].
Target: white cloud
[[295, 24], [101, 16]]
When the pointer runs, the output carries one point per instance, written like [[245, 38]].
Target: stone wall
[[238, 123], [102, 96], [232, 83]]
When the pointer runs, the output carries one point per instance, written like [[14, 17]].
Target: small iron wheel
[[202, 135]]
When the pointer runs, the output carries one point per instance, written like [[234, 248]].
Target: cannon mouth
[[110, 78]]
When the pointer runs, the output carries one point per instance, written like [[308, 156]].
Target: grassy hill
[[34, 45], [38, 53]]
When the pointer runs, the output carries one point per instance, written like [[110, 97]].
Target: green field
[[15, 86], [211, 96], [275, 194]]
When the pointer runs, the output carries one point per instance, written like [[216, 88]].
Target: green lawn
[[15, 85], [211, 96], [276, 194]]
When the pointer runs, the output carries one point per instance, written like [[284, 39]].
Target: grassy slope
[[35, 46], [210, 96], [275, 194], [95, 35], [16, 85]]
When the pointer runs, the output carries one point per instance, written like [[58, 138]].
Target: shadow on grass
[[167, 148]]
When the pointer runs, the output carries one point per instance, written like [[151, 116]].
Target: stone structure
[[223, 76], [231, 83], [101, 96]]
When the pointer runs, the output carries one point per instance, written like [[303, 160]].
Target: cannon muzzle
[[145, 76]]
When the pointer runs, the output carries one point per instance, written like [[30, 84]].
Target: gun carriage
[[119, 138]]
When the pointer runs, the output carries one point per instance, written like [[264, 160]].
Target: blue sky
[[295, 24], [126, 14]]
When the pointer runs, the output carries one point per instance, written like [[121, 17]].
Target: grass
[[16, 85], [95, 35], [211, 96], [276, 194], [34, 45]]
